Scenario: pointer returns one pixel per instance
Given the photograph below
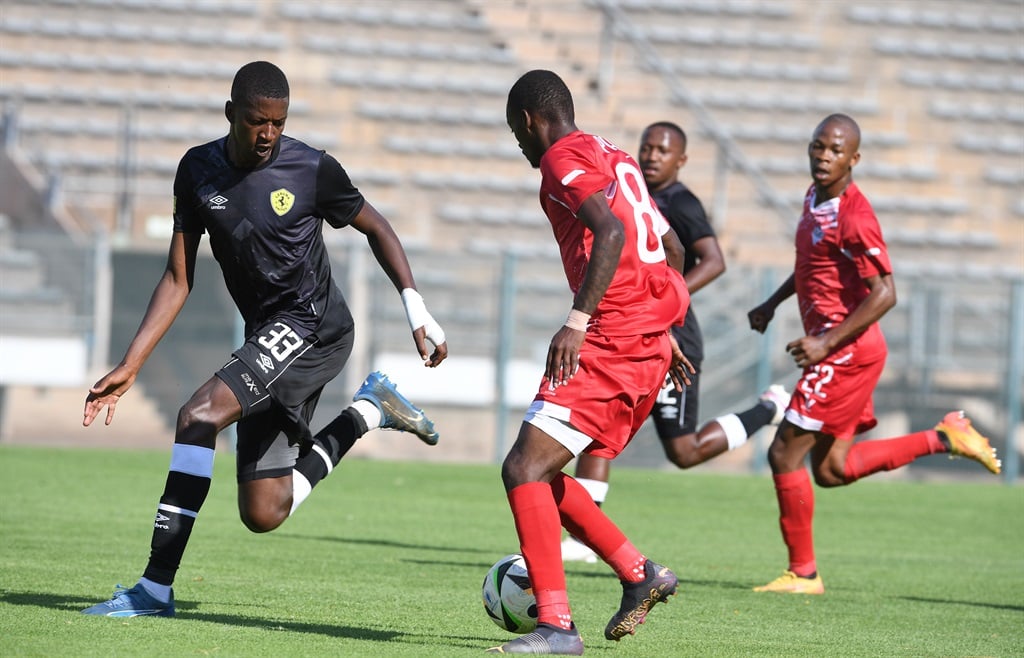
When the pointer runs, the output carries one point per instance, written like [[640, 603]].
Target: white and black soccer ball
[[508, 596]]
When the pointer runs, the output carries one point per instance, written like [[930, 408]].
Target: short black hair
[[543, 93], [258, 80], [844, 119], [668, 125]]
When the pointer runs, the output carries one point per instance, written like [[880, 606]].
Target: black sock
[[183, 495], [334, 440], [757, 416]]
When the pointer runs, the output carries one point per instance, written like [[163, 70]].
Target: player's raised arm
[[166, 302], [388, 250]]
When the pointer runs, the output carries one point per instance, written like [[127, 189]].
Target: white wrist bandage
[[418, 316], [577, 320]]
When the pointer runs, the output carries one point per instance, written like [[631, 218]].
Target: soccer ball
[[508, 596]]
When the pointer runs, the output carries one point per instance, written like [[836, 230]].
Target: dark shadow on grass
[[597, 571], [75, 604], [390, 543], [591, 572], [977, 604], [482, 566], [719, 584]]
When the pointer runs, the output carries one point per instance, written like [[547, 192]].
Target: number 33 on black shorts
[[275, 363]]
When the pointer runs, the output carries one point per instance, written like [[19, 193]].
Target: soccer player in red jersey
[[844, 284], [661, 155], [604, 368]]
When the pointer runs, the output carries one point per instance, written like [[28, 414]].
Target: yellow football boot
[[790, 583], [965, 441]]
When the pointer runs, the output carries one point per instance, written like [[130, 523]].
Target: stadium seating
[[401, 87], [410, 96]]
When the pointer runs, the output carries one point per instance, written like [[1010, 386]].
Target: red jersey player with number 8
[[604, 368]]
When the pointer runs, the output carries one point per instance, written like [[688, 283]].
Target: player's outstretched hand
[[681, 368], [105, 393], [432, 359], [760, 316]]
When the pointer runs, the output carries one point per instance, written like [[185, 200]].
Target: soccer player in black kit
[[263, 198]]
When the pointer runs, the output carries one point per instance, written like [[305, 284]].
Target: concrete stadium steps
[[31, 302], [435, 102], [920, 153], [53, 416]]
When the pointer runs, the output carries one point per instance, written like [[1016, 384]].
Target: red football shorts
[[834, 396], [609, 397]]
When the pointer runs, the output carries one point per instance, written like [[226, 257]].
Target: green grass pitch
[[386, 559]]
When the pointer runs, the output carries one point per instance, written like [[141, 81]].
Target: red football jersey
[[646, 295], [838, 244]]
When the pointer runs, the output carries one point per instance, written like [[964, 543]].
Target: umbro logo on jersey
[[217, 202]]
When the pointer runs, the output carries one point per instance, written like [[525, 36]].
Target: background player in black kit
[[662, 154], [263, 198]]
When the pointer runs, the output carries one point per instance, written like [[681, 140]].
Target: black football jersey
[[265, 227], [686, 216]]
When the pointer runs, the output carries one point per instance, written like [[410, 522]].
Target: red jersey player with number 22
[[844, 284]]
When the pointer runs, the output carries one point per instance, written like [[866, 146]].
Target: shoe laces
[[120, 596]]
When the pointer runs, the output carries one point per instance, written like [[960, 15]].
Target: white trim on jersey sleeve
[[560, 202], [571, 176]]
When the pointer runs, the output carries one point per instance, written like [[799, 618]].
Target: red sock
[[796, 516], [869, 457], [585, 521], [536, 519]]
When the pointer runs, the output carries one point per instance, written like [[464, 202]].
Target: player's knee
[[519, 468], [195, 417], [826, 476], [777, 455], [513, 471], [683, 459], [262, 520]]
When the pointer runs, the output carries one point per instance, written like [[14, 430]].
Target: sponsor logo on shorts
[[265, 362], [217, 202], [251, 383]]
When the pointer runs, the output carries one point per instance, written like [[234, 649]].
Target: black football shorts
[[675, 412], [278, 377]]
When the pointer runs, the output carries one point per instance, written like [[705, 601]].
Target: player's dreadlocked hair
[[543, 93], [671, 127], [258, 80]]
